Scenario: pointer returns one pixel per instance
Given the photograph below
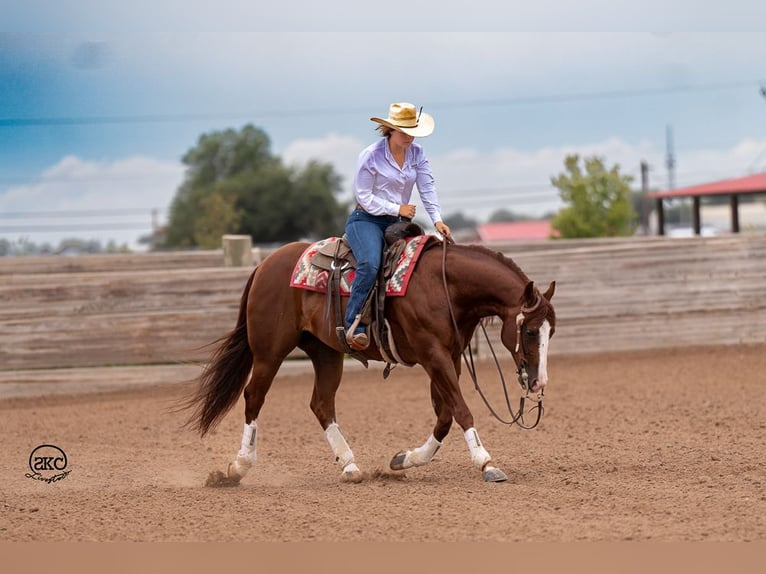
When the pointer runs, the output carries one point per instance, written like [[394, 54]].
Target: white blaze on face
[[542, 368]]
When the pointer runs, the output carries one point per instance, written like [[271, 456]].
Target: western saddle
[[337, 258]]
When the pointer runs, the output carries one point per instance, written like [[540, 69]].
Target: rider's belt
[[390, 217]]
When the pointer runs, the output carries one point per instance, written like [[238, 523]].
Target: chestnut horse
[[451, 290]]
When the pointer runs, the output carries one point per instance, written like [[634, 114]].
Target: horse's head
[[526, 333]]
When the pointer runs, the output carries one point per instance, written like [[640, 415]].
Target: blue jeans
[[365, 236]]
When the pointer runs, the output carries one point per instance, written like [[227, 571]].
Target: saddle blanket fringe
[[307, 276]]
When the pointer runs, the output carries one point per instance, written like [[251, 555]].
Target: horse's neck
[[485, 281]]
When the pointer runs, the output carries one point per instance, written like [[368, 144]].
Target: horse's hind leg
[[261, 378], [328, 369]]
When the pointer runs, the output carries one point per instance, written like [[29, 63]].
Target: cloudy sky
[[93, 126]]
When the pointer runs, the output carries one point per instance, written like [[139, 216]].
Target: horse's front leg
[[480, 458], [425, 453], [449, 401]]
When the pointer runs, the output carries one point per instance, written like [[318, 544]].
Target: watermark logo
[[47, 463]]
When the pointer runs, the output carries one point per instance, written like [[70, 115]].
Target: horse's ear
[[549, 293], [529, 294]]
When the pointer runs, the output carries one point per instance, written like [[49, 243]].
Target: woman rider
[[386, 172]]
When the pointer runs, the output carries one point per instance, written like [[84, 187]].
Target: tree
[[599, 200], [234, 184], [24, 246], [502, 215], [219, 215], [457, 221]]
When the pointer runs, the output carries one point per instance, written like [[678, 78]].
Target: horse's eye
[[532, 332]]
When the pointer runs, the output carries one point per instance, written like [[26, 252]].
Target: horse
[[450, 292]]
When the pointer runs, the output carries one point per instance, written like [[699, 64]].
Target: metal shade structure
[[732, 188]]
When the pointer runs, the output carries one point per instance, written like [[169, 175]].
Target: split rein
[[517, 417]]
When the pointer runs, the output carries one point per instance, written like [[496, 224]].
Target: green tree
[[458, 220], [114, 247], [234, 184], [599, 200], [219, 215], [502, 215]]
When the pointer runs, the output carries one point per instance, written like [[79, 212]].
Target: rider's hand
[[407, 211], [442, 228]]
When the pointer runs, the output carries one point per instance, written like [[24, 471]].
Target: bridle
[[521, 348], [521, 363]]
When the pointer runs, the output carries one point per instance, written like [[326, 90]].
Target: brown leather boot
[[358, 341]]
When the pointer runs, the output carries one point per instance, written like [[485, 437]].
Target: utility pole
[[670, 160], [644, 197]]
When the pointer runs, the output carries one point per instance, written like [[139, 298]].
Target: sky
[[93, 126]]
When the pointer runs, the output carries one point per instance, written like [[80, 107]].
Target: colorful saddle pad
[[308, 276]]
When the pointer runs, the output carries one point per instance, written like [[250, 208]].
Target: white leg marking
[[423, 454], [479, 455], [247, 451], [340, 448], [542, 369]]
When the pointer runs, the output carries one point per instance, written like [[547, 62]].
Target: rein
[[518, 417]]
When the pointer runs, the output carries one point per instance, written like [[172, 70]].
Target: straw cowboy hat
[[404, 117]]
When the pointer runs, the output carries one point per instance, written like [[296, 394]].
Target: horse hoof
[[397, 463], [232, 474], [217, 479], [351, 474], [492, 474]]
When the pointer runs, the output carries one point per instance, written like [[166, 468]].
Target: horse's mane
[[507, 261]]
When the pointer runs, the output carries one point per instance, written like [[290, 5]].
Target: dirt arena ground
[[644, 446]]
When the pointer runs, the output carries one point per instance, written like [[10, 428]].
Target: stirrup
[[358, 342]]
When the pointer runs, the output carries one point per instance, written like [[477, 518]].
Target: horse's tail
[[223, 379]]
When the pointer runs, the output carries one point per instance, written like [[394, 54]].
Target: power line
[[469, 196], [78, 179], [606, 95], [278, 114], [75, 227], [497, 189], [121, 212]]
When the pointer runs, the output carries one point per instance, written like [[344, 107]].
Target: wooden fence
[[653, 292], [115, 309], [611, 295]]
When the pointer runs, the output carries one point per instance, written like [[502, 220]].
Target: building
[[731, 188], [505, 231]]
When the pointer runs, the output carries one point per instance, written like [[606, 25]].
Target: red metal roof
[[514, 231], [749, 184]]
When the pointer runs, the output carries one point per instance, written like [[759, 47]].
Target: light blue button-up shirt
[[381, 186]]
